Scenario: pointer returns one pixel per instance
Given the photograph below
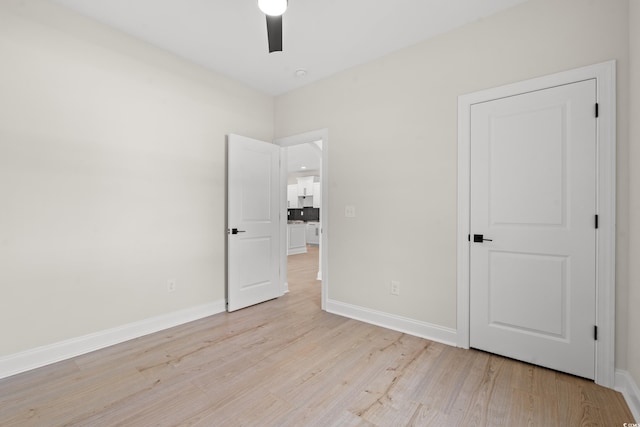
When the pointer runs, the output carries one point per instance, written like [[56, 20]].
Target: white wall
[[393, 124], [112, 176], [112, 165], [633, 336]]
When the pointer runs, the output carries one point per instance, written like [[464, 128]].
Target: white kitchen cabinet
[[296, 239], [317, 195], [305, 202], [292, 197], [305, 186], [313, 233]]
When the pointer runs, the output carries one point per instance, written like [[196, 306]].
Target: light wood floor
[[287, 363]]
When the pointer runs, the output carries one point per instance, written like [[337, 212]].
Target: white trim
[[284, 231], [626, 385], [48, 354], [397, 323], [303, 138], [296, 251], [605, 75]]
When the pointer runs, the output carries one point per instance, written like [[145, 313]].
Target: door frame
[[605, 76], [303, 138]]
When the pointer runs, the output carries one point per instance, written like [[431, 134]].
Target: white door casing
[[253, 222], [604, 75], [533, 188]]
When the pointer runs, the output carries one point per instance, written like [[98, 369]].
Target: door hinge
[[469, 237], [597, 109], [595, 332], [596, 222]]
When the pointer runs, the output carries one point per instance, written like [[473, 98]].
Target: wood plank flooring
[[287, 363]]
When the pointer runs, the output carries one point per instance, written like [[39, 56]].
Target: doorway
[[603, 260], [304, 205], [304, 200]]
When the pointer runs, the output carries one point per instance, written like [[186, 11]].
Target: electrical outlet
[[395, 288], [171, 285], [350, 211]]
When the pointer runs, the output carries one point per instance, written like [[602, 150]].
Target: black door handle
[[236, 231], [479, 238]]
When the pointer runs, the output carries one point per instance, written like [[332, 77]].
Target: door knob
[[479, 238], [236, 231]]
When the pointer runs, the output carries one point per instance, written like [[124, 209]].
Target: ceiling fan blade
[[274, 32]]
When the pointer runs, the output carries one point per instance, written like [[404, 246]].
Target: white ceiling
[[304, 158], [321, 36]]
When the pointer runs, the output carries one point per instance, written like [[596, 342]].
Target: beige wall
[[633, 339], [393, 147], [112, 177]]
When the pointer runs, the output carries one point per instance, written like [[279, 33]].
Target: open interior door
[[253, 245]]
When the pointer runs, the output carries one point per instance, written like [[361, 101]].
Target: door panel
[[528, 168], [533, 182], [540, 280], [253, 210]]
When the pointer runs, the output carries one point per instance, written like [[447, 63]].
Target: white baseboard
[[48, 354], [397, 323], [297, 251], [626, 385]]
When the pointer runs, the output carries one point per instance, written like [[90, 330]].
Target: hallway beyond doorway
[[303, 272]]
